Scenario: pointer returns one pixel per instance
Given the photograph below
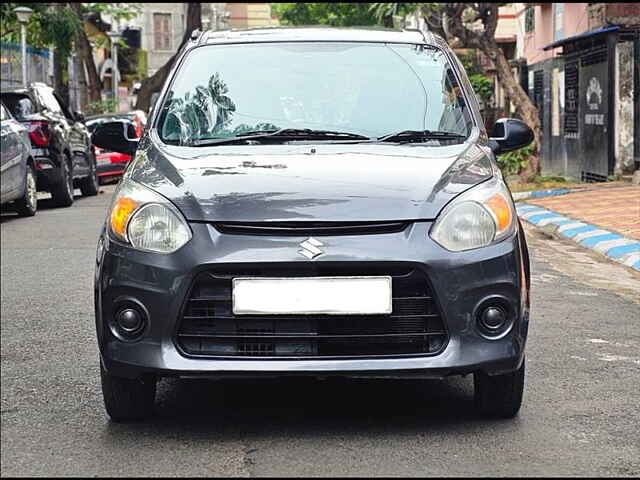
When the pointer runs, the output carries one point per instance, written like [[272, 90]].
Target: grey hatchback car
[[17, 173], [313, 202]]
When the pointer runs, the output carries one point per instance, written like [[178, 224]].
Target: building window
[[558, 20], [162, 31], [529, 19]]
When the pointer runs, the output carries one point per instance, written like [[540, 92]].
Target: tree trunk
[[94, 85], [433, 19], [155, 82], [60, 64], [59, 85], [78, 68], [525, 108], [454, 26]]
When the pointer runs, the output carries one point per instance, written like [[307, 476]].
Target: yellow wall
[[248, 15]]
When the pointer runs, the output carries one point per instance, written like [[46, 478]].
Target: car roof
[[305, 34], [123, 116], [26, 91]]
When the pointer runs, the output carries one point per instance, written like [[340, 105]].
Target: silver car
[[17, 174]]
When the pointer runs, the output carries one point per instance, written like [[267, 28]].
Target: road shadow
[[8, 215], [305, 406]]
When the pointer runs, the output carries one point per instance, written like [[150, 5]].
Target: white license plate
[[314, 295]]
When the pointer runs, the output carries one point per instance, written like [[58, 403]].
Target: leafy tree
[[59, 25], [334, 14], [117, 11]]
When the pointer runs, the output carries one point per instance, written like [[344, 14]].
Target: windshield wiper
[[283, 134], [420, 135]]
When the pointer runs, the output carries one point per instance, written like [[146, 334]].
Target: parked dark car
[[62, 149], [111, 165], [17, 174], [313, 202]]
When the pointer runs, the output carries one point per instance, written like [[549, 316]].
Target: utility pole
[[23, 14], [114, 36]]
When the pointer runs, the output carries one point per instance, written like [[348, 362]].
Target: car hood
[[303, 182]]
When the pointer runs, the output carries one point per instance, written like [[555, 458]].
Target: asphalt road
[[581, 414]]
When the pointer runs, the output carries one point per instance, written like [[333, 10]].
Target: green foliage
[[117, 11], [512, 163], [51, 27], [470, 63], [104, 106], [341, 14], [483, 86], [384, 11], [334, 14], [10, 27]]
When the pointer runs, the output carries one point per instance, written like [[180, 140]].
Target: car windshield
[[367, 89]]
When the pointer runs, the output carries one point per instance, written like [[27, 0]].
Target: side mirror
[[509, 134], [115, 136], [78, 116]]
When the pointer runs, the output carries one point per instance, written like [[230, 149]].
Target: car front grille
[[311, 228], [208, 327]]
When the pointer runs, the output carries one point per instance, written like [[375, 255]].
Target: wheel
[[500, 395], [62, 191], [89, 185], [28, 204], [127, 399]]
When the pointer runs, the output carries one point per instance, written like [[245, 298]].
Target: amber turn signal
[[499, 207], [120, 214]]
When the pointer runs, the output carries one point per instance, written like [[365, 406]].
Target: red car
[[111, 165]]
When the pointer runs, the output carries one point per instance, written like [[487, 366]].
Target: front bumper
[[460, 282]]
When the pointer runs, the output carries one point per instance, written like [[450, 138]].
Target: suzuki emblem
[[310, 248]]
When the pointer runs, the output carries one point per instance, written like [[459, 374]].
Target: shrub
[[104, 106], [512, 163]]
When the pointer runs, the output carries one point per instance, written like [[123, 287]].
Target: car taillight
[[39, 133]]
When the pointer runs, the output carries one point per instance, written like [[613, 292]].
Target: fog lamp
[[493, 318]]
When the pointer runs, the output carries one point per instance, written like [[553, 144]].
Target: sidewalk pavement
[[604, 219]]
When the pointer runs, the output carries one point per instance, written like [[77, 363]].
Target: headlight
[[146, 220], [479, 217]]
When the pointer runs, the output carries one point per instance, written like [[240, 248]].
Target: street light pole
[[23, 14], [114, 36]]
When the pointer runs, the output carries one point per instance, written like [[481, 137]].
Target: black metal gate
[[538, 94], [594, 114], [571, 124]]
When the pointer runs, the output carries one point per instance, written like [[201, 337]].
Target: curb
[[612, 245], [541, 193]]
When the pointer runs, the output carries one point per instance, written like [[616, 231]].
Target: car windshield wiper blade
[[419, 135], [283, 133]]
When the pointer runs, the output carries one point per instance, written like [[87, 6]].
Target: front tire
[[28, 204], [499, 396], [127, 399]]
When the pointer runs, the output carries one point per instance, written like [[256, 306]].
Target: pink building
[[550, 22]]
